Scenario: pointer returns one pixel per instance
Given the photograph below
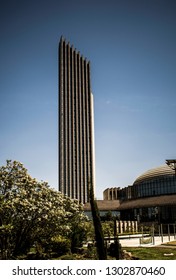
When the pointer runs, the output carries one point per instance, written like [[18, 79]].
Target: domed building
[[151, 198]]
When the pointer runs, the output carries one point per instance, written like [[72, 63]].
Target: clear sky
[[132, 48]]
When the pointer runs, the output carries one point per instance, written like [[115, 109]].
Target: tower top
[[63, 40]]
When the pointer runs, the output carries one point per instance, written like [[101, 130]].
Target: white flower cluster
[[32, 208]]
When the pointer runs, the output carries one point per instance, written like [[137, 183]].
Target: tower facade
[[76, 124]]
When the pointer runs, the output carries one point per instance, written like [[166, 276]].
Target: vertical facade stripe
[[76, 131]]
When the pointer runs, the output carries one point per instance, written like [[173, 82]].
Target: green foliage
[[107, 216], [89, 228], [32, 213], [108, 228], [57, 246]]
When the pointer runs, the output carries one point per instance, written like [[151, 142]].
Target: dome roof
[[163, 170]]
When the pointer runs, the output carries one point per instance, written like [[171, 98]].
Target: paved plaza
[[136, 241]]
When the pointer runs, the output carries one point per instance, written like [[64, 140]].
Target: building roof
[[115, 205], [163, 170], [162, 200], [104, 205]]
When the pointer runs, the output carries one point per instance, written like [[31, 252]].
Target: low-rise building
[[152, 197]]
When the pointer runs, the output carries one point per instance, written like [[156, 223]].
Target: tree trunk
[[99, 237]]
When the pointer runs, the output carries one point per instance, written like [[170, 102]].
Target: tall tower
[[76, 124]]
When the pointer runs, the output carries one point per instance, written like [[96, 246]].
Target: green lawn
[[173, 243], [153, 253]]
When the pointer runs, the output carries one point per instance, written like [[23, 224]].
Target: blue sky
[[132, 48]]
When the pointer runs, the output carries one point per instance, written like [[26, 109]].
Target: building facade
[[111, 193], [151, 198], [76, 124]]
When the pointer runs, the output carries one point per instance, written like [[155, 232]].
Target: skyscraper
[[76, 124]]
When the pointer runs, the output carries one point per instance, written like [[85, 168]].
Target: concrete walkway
[[135, 241]]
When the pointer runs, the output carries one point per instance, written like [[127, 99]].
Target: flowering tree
[[31, 212]]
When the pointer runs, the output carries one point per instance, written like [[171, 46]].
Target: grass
[[152, 253], [172, 243]]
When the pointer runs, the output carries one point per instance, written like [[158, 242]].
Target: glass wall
[[157, 186], [161, 214]]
